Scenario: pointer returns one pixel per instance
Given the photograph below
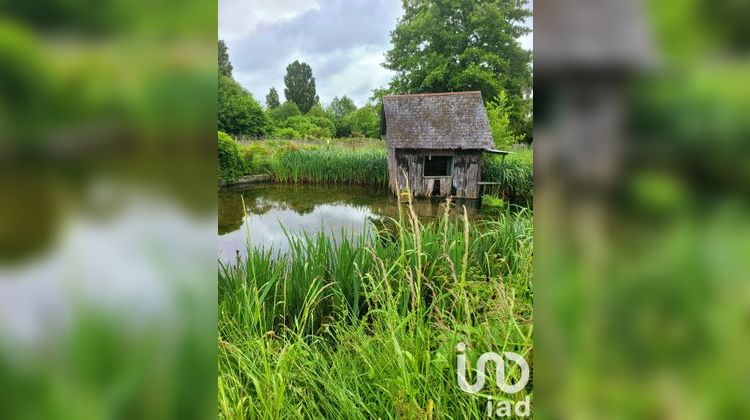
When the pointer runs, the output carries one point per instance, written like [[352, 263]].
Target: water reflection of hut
[[435, 143]]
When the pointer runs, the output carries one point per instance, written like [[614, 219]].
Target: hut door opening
[[436, 188]]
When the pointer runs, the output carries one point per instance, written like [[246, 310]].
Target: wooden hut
[[435, 143]]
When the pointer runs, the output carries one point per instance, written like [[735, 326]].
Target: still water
[[273, 211]]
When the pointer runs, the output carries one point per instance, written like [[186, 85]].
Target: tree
[[461, 45], [272, 99], [225, 66], [238, 111], [318, 111], [498, 112], [300, 86], [364, 122], [341, 107], [285, 111]]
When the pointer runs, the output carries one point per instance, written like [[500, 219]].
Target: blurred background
[[642, 183], [107, 209]]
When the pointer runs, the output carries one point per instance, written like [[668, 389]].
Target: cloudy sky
[[344, 41]]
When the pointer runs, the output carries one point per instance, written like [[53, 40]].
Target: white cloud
[[239, 18], [344, 41]]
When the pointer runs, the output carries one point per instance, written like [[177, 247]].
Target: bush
[[286, 133], [231, 162], [311, 127], [324, 123], [492, 204]]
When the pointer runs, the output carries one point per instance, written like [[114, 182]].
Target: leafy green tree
[[300, 86], [341, 107], [498, 112], [318, 111], [225, 66], [284, 111], [461, 45], [272, 99], [238, 112], [343, 126], [364, 122]]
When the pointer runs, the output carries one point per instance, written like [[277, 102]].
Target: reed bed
[[365, 166], [366, 326], [517, 177]]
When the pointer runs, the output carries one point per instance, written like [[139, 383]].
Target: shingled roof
[[436, 121]]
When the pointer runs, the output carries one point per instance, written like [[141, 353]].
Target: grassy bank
[[367, 327]]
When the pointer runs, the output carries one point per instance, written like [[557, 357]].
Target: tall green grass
[[365, 166], [517, 177], [366, 326]]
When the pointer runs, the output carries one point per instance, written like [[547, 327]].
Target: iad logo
[[522, 408]]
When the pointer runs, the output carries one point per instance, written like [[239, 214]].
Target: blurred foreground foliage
[[107, 178], [642, 284]]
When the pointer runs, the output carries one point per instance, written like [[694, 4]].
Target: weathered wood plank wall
[[408, 165]]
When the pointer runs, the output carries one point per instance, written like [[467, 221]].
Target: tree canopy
[[462, 45], [284, 111], [300, 86], [272, 99], [341, 107], [238, 112], [225, 66]]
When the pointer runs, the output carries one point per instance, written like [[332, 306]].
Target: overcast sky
[[344, 41]]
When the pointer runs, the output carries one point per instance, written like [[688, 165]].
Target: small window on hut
[[438, 166]]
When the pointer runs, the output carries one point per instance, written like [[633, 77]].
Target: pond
[[273, 211]]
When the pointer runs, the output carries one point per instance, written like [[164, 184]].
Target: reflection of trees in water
[[34, 199], [29, 216], [303, 199], [230, 213]]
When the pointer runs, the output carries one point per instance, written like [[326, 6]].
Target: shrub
[[286, 133], [231, 163], [311, 127], [492, 204]]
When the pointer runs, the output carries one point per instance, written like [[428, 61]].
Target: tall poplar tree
[[300, 86]]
